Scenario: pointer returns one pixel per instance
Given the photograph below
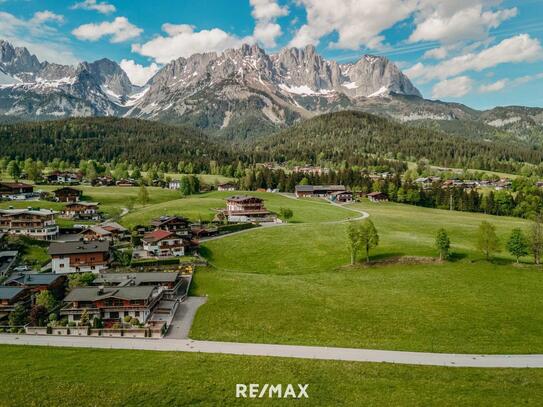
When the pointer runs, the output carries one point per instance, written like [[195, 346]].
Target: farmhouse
[[377, 197], [320, 191], [111, 304], [15, 189], [242, 208], [161, 243], [228, 186], [67, 194], [10, 297], [96, 232], [341, 197], [82, 211], [63, 178], [175, 224], [104, 181], [35, 223], [76, 257]]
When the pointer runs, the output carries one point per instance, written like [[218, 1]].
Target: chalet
[[67, 194], [427, 181], [104, 181], [175, 224], [310, 170], [228, 186], [79, 257], [341, 197], [320, 191], [117, 231], [58, 177], [82, 211], [111, 304], [38, 282], [96, 232], [161, 243], [10, 297], [14, 189], [176, 184], [377, 197], [242, 208], [34, 223], [503, 184]]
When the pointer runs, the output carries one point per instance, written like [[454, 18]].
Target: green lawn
[[467, 305], [35, 376], [202, 207]]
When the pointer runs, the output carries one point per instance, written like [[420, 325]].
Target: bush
[[127, 319]]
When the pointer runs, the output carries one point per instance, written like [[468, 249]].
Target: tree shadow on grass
[[454, 257], [206, 253]]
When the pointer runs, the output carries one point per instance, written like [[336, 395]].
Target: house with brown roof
[[10, 297], [111, 304], [162, 243], [243, 208], [82, 210], [67, 194], [377, 197], [341, 197], [227, 186], [176, 224], [319, 191], [15, 189], [80, 257]]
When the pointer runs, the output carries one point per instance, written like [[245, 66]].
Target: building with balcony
[[34, 223], [242, 208], [162, 243], [111, 304], [80, 257]]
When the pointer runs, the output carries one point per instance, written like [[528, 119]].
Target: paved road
[[182, 320], [286, 351]]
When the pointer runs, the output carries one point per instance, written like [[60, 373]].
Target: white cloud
[[521, 48], [38, 36], [357, 22], [182, 41], [453, 21], [455, 87], [119, 30], [41, 17], [265, 13], [138, 74], [493, 87], [101, 7], [437, 53]]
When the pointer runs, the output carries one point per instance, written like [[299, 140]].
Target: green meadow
[[89, 377], [290, 284]]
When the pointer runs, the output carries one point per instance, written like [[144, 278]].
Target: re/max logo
[[255, 390]]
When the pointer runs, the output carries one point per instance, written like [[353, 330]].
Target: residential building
[[126, 183], [10, 297], [341, 197], [82, 211], [227, 186], [13, 190], [165, 280], [243, 208], [377, 197], [161, 243], [79, 257], [58, 177], [38, 282], [319, 191], [176, 224], [175, 184], [7, 261], [34, 223], [67, 194], [111, 304], [96, 232], [104, 181]]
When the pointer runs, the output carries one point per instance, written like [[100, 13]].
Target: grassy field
[[466, 305], [202, 207], [86, 377]]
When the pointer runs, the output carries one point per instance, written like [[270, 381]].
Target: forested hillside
[[347, 135], [108, 139]]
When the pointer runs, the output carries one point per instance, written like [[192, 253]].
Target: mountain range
[[243, 92]]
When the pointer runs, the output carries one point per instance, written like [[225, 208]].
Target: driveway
[[182, 320]]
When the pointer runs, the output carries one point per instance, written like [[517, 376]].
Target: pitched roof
[[68, 189], [9, 293], [157, 235], [113, 226], [30, 211], [83, 203], [98, 230], [57, 248], [166, 219], [16, 185], [242, 198], [135, 279], [32, 279], [98, 293]]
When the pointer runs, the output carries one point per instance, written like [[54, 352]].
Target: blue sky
[[482, 53]]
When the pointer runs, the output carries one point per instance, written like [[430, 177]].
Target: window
[[77, 317], [137, 313], [114, 315]]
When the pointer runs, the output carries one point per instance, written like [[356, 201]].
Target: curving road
[[285, 351]]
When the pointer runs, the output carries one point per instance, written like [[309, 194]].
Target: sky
[[482, 53]]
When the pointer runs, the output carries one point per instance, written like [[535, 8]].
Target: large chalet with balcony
[[82, 211], [67, 194], [243, 208], [8, 189], [79, 257], [111, 304], [175, 224], [162, 243], [34, 223]]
